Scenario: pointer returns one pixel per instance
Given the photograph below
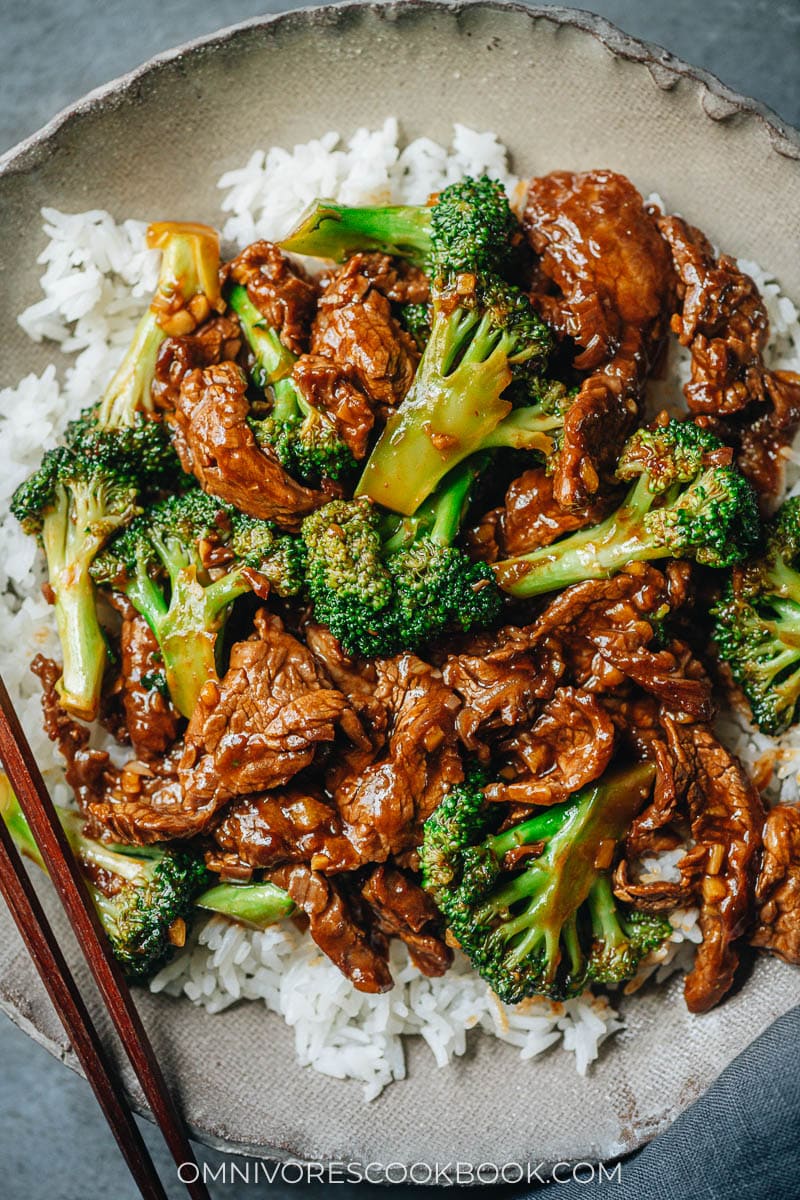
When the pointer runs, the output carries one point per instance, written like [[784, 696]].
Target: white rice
[[97, 274]]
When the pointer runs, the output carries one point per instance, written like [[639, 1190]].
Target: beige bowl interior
[[563, 91]]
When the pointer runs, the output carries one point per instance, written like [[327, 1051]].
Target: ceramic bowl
[[563, 90]]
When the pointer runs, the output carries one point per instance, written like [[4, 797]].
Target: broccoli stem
[[594, 553], [440, 517], [17, 825], [186, 628], [447, 416], [128, 393], [330, 230], [255, 904], [187, 632], [605, 913], [787, 625], [187, 291], [525, 429], [83, 647], [273, 361], [88, 851], [70, 546]]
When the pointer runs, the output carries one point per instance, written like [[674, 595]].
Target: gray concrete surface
[[53, 1143]]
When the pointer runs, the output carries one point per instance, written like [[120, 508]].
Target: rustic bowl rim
[[720, 103]]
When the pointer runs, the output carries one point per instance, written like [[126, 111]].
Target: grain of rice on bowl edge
[[97, 274]]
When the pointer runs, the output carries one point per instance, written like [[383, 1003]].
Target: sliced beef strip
[[613, 620], [265, 720], [605, 280], [501, 679], [219, 340], [356, 329], [253, 731], [673, 776], [106, 794], [646, 730], [568, 746], [727, 817], [335, 387], [216, 444], [357, 679], [383, 798], [723, 321], [778, 886], [530, 517], [402, 909], [279, 289], [334, 926], [701, 792], [88, 772], [150, 718], [278, 827]]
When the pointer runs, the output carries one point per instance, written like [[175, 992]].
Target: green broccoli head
[[307, 444], [144, 895], [145, 901], [472, 228], [783, 535], [667, 454], [469, 227], [279, 557], [757, 624], [147, 896], [159, 562], [710, 511], [683, 503], [541, 920], [438, 588], [382, 586], [348, 582], [73, 503], [453, 831], [620, 937], [304, 439], [715, 520], [143, 449], [416, 320]]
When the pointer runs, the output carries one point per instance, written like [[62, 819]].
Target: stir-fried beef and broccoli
[[413, 616]]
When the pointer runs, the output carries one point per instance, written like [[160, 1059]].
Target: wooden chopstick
[[32, 923], [35, 802]]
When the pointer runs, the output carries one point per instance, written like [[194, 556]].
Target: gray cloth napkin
[[739, 1141]]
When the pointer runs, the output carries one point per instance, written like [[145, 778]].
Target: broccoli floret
[[304, 439], [158, 563], [382, 585], [468, 227], [757, 624], [543, 922], [621, 936], [188, 290], [277, 557], [484, 336], [145, 444], [73, 504], [144, 895], [681, 505]]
